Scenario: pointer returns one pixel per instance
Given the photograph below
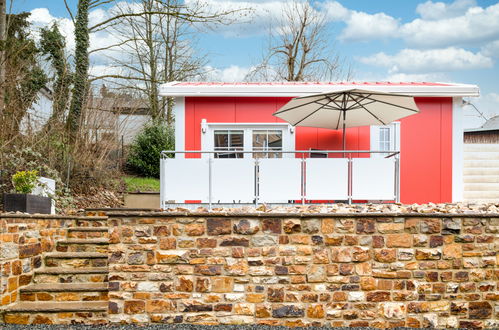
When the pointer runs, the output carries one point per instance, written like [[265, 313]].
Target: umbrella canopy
[[347, 108]]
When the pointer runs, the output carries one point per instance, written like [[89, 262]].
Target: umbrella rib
[[310, 114], [372, 114], [301, 105], [388, 103]]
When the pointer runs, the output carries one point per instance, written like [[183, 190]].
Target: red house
[[234, 120]]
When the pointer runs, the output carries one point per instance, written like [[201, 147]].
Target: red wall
[[426, 152], [426, 138]]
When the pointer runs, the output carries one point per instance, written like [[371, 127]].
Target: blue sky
[[409, 40]]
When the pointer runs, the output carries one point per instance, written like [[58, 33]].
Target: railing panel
[[185, 179], [327, 178], [233, 180], [279, 180], [373, 178]]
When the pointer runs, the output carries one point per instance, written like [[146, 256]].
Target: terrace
[[237, 177]]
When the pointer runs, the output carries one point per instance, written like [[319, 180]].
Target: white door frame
[[207, 139], [394, 137]]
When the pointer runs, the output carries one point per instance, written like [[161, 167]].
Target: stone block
[[394, 310], [275, 294], [452, 251], [218, 226], [311, 226], [246, 227], [134, 306], [222, 284], [399, 240], [327, 226], [315, 311], [431, 226], [234, 241], [281, 311], [264, 240], [341, 254], [292, 226], [345, 226], [271, 226], [385, 255], [366, 226], [479, 310], [451, 226], [316, 274], [378, 296], [390, 227], [195, 229]]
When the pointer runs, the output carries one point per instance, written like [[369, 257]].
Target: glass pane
[[275, 139], [236, 139], [228, 141], [221, 139], [266, 140], [259, 139]]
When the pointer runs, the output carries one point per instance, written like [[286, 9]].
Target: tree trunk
[[79, 96], [2, 54]]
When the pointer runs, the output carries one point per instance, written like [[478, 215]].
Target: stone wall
[[23, 239], [285, 269]]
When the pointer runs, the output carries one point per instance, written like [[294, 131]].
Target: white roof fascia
[[174, 89]]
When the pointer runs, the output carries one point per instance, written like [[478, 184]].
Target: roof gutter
[[176, 90]]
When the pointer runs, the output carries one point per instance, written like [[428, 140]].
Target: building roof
[[490, 125], [292, 89], [119, 105]]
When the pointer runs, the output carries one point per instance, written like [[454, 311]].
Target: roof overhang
[[180, 89]]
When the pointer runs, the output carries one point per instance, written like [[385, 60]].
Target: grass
[[134, 183]]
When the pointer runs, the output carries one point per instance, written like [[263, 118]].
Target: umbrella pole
[[344, 134]]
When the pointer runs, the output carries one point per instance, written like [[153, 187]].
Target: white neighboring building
[[39, 112]]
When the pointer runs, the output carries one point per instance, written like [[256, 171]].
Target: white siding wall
[[481, 172]]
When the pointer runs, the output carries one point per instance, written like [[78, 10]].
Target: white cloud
[[362, 26], [416, 77], [434, 60], [233, 73], [475, 26], [437, 10], [41, 18], [335, 11], [491, 49]]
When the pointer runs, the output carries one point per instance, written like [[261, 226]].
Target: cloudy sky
[[410, 40]]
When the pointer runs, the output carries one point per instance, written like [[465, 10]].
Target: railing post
[[210, 184], [303, 184], [397, 179], [350, 177], [162, 182], [257, 181]]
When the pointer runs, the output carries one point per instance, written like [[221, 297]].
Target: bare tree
[[300, 48], [2, 52], [155, 49], [82, 31]]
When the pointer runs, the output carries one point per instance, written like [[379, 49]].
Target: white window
[[228, 142], [264, 139], [385, 138]]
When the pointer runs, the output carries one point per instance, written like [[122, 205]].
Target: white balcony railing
[[279, 180]]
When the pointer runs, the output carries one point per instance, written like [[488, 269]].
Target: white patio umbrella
[[347, 108]]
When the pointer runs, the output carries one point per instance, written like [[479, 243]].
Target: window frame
[[208, 130], [394, 141]]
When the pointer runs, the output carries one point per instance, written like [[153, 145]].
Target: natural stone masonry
[[376, 270], [354, 270], [54, 269]]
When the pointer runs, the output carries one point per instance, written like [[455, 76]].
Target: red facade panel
[[426, 138], [426, 153]]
